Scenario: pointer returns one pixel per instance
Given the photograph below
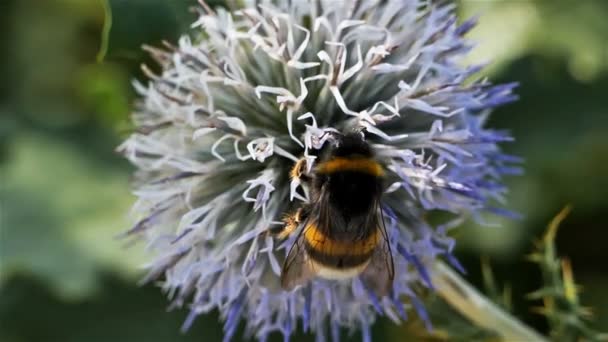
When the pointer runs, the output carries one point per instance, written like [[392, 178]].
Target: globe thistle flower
[[234, 108]]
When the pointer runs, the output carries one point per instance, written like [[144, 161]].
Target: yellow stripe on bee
[[327, 246], [338, 164]]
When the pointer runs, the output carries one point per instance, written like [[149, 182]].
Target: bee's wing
[[379, 274], [297, 268]]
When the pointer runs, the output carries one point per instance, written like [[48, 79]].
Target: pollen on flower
[[253, 90]]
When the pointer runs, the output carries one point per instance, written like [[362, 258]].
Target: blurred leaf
[[584, 44], [119, 312], [575, 31], [60, 213], [105, 90], [503, 31], [43, 60], [8, 127]]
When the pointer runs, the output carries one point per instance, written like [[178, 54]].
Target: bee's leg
[[298, 171], [292, 222]]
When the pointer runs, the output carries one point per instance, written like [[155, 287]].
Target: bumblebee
[[341, 231]]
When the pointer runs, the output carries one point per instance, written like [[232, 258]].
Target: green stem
[[477, 308], [105, 32]]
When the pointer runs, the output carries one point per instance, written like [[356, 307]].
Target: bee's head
[[352, 144]]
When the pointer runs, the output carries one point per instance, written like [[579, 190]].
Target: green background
[[65, 193]]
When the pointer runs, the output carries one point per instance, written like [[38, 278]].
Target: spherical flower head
[[259, 87]]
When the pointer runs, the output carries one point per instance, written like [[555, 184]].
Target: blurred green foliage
[[568, 319], [65, 193]]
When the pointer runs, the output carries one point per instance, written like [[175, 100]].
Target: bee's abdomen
[[339, 254], [338, 261]]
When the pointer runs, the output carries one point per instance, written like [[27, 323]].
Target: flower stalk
[[477, 308]]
